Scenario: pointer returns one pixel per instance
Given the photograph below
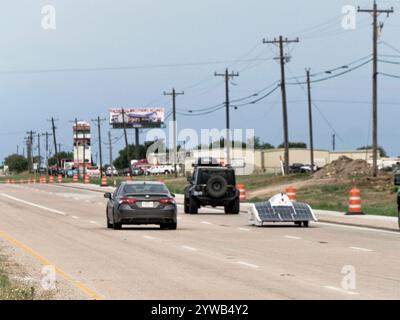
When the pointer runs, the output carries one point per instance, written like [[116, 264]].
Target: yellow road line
[[80, 286]]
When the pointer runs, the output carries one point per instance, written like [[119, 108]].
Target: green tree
[[261, 145], [293, 145], [16, 163], [121, 162], [382, 151]]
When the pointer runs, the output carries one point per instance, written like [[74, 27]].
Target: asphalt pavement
[[210, 256]]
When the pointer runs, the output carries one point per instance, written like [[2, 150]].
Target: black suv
[[212, 185]]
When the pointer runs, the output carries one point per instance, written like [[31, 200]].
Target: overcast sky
[[104, 34]]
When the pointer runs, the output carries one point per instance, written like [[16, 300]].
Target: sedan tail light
[[128, 201], [167, 201]]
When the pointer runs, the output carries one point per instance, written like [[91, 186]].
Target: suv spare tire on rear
[[216, 186]]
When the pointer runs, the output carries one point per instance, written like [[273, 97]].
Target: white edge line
[[357, 228], [34, 205]]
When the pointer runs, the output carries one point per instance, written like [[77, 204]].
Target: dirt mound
[[344, 167]]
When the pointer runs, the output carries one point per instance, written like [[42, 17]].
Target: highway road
[[210, 256]]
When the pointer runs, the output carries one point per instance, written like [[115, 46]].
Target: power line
[[389, 75], [124, 68]]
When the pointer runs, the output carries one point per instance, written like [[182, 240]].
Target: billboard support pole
[[126, 140]]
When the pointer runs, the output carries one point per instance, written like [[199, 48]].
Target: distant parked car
[[137, 171], [71, 173], [307, 168], [161, 169], [296, 168], [109, 171]]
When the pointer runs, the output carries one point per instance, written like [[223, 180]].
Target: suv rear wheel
[[186, 205], [233, 207], [193, 206]]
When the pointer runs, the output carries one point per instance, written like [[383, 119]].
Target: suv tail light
[[167, 201], [128, 201]]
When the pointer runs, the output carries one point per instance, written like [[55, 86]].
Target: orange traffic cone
[[355, 203], [104, 182], [292, 193], [242, 190]]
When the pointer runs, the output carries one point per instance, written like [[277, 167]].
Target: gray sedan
[[141, 202]]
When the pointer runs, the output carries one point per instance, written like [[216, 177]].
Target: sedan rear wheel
[[116, 225]]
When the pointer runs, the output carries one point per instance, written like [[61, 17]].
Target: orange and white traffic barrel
[[60, 178], [292, 193], [242, 190], [75, 178], [104, 182], [51, 179], [355, 202], [86, 179]]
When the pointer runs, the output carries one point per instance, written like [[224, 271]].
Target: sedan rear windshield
[[145, 189]]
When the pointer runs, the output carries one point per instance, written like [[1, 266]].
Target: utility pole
[[99, 121], [39, 154], [227, 77], [137, 143], [128, 157], [55, 144], [334, 142], [310, 122], [30, 150], [84, 154], [17, 149], [76, 144], [47, 135], [283, 59], [375, 13], [174, 94], [110, 154]]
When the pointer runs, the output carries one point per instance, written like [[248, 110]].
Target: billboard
[[137, 117]]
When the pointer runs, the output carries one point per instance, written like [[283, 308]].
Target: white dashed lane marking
[[292, 238], [246, 264], [189, 248], [361, 249]]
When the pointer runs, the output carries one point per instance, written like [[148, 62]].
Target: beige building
[[268, 161]]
